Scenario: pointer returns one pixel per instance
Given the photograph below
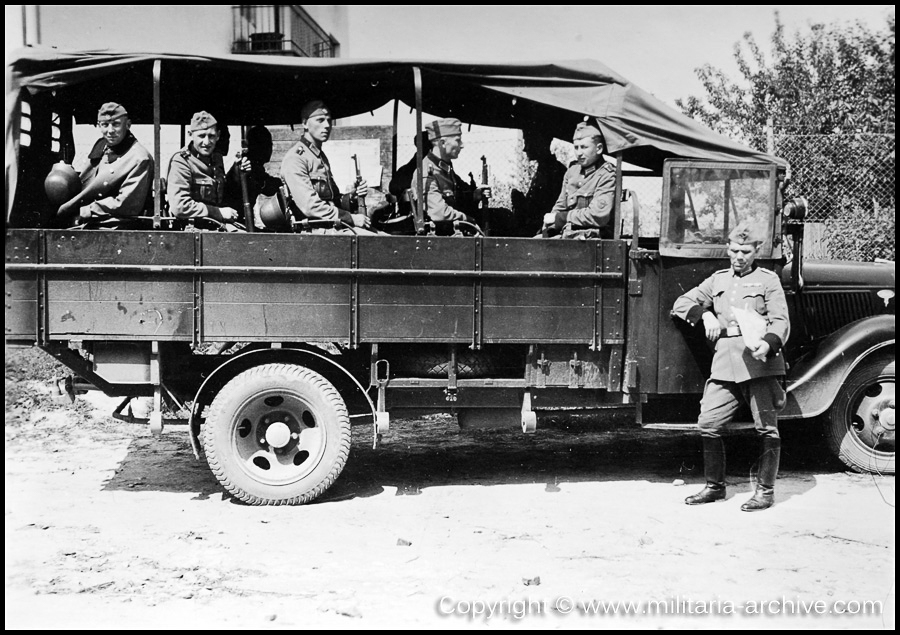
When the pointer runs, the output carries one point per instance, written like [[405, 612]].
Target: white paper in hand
[[753, 326]]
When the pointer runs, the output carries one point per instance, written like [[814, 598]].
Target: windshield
[[703, 204]]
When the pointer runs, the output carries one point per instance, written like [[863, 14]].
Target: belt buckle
[[733, 331]]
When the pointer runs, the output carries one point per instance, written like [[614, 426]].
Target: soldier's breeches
[[721, 400]]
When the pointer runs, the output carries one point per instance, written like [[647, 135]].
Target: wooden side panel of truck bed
[[205, 286]]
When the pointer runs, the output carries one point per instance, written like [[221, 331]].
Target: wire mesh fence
[[848, 180], [849, 183]]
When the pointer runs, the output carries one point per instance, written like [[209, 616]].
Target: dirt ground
[[109, 527]]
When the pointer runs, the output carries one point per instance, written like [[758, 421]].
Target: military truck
[[271, 344]]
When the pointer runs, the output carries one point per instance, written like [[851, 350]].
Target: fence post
[[770, 135]]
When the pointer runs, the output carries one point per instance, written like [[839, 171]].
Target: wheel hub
[[886, 417], [873, 422], [277, 437], [278, 434]]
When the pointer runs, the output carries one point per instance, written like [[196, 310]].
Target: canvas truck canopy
[[270, 89]]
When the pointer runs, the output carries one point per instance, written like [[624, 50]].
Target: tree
[[830, 93], [835, 79]]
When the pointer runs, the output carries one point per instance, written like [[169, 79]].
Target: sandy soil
[[109, 527]]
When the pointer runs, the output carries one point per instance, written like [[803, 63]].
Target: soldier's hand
[[228, 214], [483, 193], [549, 219], [362, 188], [244, 165], [84, 214], [711, 326], [761, 351], [361, 220]]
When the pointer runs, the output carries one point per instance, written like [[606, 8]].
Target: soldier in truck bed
[[307, 174], [259, 181], [195, 185], [117, 178], [543, 187], [585, 204], [447, 197]]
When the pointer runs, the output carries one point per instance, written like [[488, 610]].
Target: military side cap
[[202, 120], [747, 234], [313, 108], [443, 128], [585, 129], [109, 111]]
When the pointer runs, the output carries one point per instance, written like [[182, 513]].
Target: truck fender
[[328, 368], [816, 378]]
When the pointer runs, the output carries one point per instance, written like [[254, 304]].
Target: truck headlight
[[795, 209]]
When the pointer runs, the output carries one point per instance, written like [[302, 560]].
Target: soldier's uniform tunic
[[119, 178], [586, 201], [307, 174], [735, 373], [447, 197], [196, 184]]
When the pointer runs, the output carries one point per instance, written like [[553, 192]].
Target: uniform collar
[[587, 171], [445, 166], [743, 275], [193, 151], [309, 144], [123, 146], [102, 148]]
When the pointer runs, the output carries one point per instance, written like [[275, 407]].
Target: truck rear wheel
[[277, 434], [860, 423]]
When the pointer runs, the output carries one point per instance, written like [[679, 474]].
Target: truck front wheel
[[277, 434], [860, 423]]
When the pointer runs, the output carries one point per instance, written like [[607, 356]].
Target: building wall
[[334, 19], [202, 30]]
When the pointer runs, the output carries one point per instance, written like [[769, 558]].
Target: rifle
[[361, 202], [484, 201], [245, 195]]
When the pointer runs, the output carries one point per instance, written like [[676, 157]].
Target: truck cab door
[[702, 203]]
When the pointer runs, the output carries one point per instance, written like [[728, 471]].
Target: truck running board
[[675, 426]]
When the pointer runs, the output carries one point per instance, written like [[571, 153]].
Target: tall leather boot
[[765, 479], [714, 470]]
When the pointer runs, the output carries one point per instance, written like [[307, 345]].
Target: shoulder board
[[607, 166], [184, 154], [722, 271], [768, 271], [300, 149]]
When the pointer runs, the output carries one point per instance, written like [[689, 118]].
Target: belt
[[731, 331]]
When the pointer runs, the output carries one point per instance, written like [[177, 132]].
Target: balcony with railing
[[279, 29]]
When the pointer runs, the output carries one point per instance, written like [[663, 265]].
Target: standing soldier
[[196, 181], [447, 197], [307, 174], [117, 178], [748, 372], [585, 204]]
